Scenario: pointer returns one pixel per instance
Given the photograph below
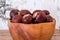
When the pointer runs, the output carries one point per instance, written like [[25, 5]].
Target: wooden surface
[[5, 35]]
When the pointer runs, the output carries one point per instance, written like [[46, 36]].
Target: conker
[[49, 18], [16, 19], [23, 12], [13, 13], [39, 17], [36, 11], [46, 12], [27, 18]]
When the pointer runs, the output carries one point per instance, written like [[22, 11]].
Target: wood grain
[[5, 35]]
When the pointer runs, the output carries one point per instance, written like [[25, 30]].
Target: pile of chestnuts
[[25, 16]]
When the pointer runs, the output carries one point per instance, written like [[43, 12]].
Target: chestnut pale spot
[[39, 17], [27, 18], [35, 14], [19, 13], [26, 15]]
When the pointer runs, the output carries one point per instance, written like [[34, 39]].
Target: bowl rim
[[54, 21]]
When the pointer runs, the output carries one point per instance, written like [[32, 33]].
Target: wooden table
[[5, 35]]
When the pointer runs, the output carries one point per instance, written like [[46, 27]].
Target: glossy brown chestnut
[[46, 12], [27, 19], [36, 11], [39, 17], [13, 12], [49, 18], [16, 19], [23, 12]]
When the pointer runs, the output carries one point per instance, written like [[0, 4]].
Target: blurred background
[[7, 5]]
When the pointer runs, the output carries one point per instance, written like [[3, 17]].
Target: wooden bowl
[[41, 31]]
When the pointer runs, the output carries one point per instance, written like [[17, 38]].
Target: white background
[[52, 5]]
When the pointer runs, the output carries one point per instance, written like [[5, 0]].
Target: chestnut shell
[[23, 12], [27, 19], [16, 19], [49, 18], [46, 12], [36, 11], [13, 13], [40, 17]]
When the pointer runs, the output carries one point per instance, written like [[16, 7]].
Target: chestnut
[[13, 12], [23, 12], [39, 17], [16, 19], [36, 11], [46, 12], [27, 18], [49, 18]]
